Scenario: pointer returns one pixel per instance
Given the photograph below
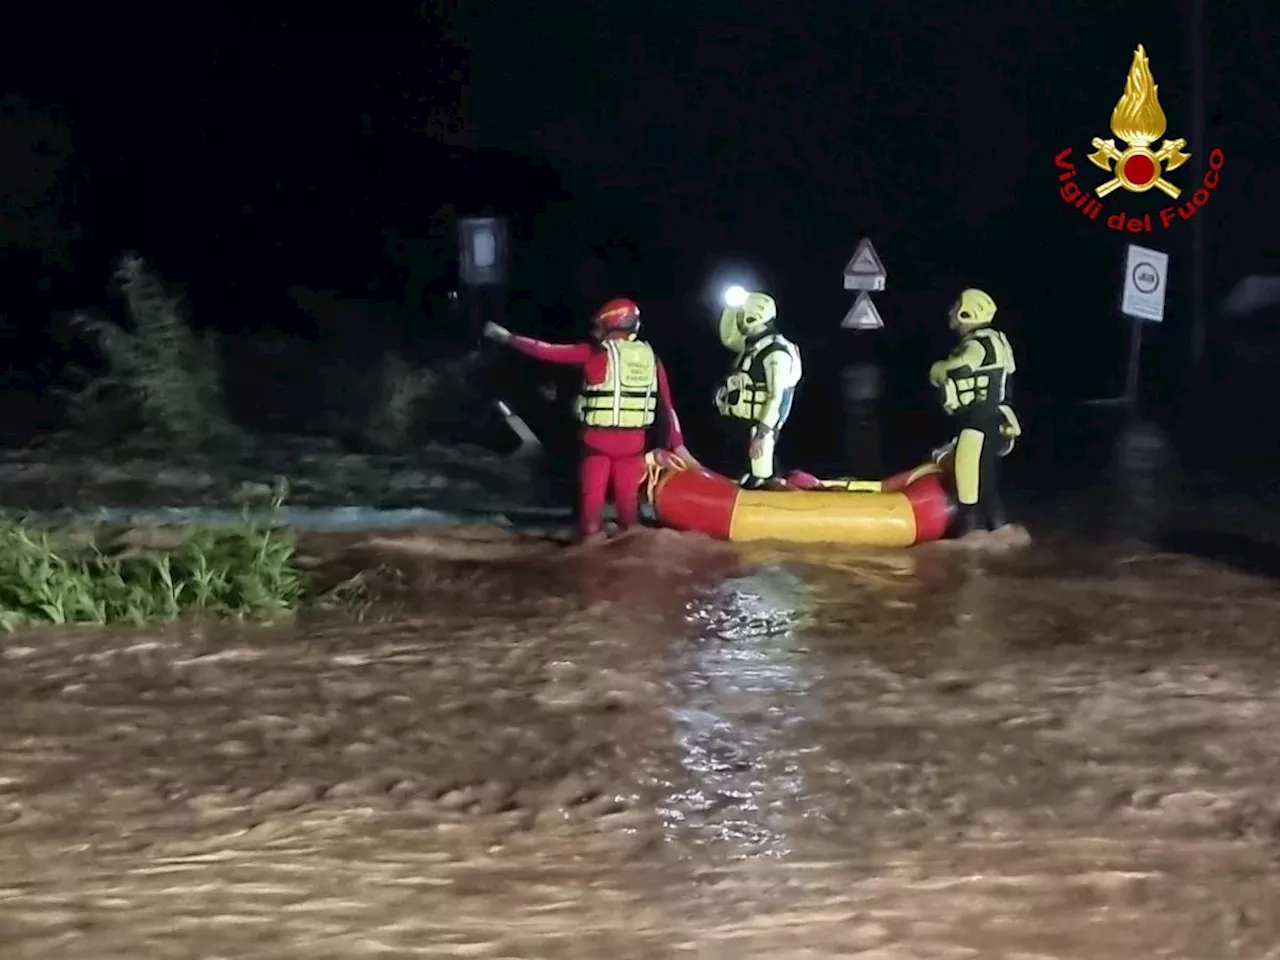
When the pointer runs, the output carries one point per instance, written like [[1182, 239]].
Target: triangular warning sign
[[865, 271], [863, 315]]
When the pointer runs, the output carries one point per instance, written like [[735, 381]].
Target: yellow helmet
[[975, 308], [739, 324]]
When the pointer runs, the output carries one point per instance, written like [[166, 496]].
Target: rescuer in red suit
[[624, 390]]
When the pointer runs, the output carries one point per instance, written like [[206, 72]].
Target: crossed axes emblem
[[1170, 155]]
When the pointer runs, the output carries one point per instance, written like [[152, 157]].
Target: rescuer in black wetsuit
[[975, 382]]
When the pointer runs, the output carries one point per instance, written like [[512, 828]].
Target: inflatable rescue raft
[[912, 507]]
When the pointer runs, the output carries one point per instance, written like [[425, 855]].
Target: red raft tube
[[906, 509]]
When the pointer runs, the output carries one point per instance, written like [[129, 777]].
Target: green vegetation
[[160, 374], [402, 391], [75, 575], [412, 399]]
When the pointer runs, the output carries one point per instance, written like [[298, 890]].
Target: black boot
[[995, 513], [968, 520]]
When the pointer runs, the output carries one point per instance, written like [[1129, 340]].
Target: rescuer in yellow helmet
[[975, 383], [762, 383]]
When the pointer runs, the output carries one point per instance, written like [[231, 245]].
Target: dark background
[[654, 150]]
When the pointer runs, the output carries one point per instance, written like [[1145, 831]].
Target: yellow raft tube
[[906, 509]]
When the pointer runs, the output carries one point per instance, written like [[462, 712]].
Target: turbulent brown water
[[657, 749]]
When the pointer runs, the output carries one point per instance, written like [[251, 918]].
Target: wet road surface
[[656, 749]]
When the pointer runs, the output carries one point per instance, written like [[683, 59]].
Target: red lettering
[[1071, 193], [1211, 183], [1196, 197], [1166, 216], [1146, 222], [1116, 221], [1062, 163], [1213, 165], [1187, 211], [1134, 225]]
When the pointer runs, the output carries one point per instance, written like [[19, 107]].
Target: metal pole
[[1201, 149], [475, 313], [1135, 366]]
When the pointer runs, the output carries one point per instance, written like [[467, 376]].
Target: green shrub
[[69, 575], [413, 400], [169, 377], [401, 389]]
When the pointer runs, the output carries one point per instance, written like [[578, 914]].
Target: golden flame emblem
[[1138, 121]]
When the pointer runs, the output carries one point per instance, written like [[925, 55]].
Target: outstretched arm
[[573, 354]]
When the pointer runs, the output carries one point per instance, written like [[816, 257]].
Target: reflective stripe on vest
[[628, 397], [987, 384], [745, 393]]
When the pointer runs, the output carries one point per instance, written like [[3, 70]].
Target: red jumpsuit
[[610, 455]]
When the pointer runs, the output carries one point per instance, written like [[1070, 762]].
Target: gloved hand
[[497, 333], [1010, 429], [683, 453]]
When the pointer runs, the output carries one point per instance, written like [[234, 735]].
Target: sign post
[[482, 253], [1146, 274], [861, 379], [482, 270], [1142, 446], [482, 265], [864, 272]]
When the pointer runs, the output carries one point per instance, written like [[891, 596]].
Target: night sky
[[676, 143]]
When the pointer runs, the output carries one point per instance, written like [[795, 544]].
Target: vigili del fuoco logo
[[1138, 122]]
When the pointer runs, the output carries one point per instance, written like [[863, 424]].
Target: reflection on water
[[739, 679]]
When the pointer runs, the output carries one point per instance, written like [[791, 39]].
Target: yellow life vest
[[986, 384], [745, 392], [628, 397]]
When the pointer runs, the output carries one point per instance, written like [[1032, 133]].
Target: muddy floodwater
[[659, 749]]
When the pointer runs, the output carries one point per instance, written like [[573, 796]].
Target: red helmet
[[617, 316]]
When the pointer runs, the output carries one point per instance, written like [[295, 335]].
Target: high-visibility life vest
[[745, 392], [628, 396], [985, 386]]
